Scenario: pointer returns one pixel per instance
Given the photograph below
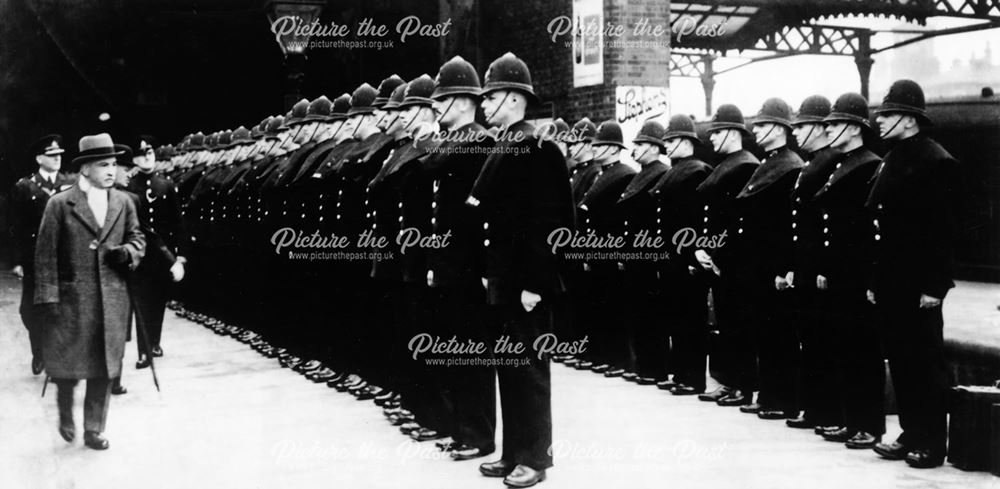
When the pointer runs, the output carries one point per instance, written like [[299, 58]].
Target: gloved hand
[[177, 271]]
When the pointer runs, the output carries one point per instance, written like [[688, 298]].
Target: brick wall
[[519, 26]]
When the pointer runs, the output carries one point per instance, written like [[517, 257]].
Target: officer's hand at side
[[177, 271], [780, 283], [18, 271], [790, 278], [871, 296], [430, 278], [821, 282], [927, 302], [529, 300], [484, 283]]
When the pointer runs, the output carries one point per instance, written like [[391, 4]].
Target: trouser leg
[[64, 399], [525, 388], [95, 407]]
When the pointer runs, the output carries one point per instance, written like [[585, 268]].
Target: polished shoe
[[158, 352], [386, 397], [500, 468], [819, 430], [426, 434], [666, 384], [467, 452], [368, 394], [446, 444], [600, 368], [751, 408], [408, 427], [715, 395], [645, 381], [583, 365], [37, 366], [840, 436], [617, 372], [799, 422], [143, 362], [891, 451], [924, 459], [118, 389], [323, 375], [863, 439], [772, 414], [735, 398], [308, 366], [336, 379], [401, 419], [94, 440], [524, 476], [572, 362], [685, 390], [67, 429], [630, 376]]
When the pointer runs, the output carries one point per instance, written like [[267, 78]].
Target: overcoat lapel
[[82, 211]]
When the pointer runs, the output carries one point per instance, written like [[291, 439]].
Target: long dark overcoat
[[86, 339]]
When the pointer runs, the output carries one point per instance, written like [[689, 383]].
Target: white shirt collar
[[89, 188], [47, 175]]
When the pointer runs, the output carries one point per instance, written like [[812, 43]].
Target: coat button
[[706, 207], [794, 225], [486, 242], [826, 243], [826, 216], [740, 231], [878, 237], [826, 230], [486, 225], [795, 238], [794, 212], [706, 218]]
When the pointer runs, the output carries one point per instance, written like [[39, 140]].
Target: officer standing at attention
[[916, 202], [820, 408], [523, 192], [734, 363], [26, 206], [764, 239], [683, 284], [848, 241]]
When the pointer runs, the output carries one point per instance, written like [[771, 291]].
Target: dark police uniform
[[26, 207]]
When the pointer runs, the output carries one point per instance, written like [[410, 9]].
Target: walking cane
[[140, 324], [45, 384]]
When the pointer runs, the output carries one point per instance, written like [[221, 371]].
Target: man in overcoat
[[88, 240]]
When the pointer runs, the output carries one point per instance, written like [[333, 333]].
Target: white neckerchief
[[48, 176], [97, 199]]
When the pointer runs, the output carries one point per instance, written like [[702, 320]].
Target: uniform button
[[400, 218], [321, 207], [794, 225], [704, 231], [878, 237], [826, 216], [486, 242], [740, 231], [826, 230], [706, 218], [750, 187], [338, 216], [434, 205], [826, 243], [486, 225], [875, 222], [659, 231], [368, 215], [659, 209], [433, 221], [658, 220], [794, 212], [795, 238], [400, 205], [706, 207], [320, 218]]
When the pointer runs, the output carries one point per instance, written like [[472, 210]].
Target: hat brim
[[510, 87], [411, 101], [361, 110], [650, 140], [903, 109], [719, 126], [681, 134], [471, 92], [772, 120], [807, 119], [84, 159], [608, 143]]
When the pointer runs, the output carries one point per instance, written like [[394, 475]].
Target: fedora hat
[[96, 147]]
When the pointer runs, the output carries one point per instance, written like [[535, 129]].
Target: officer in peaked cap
[[581, 157], [167, 245], [917, 200], [819, 399], [598, 213], [454, 272], [523, 185], [27, 204], [841, 274], [637, 210], [764, 240], [734, 363], [682, 284]]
